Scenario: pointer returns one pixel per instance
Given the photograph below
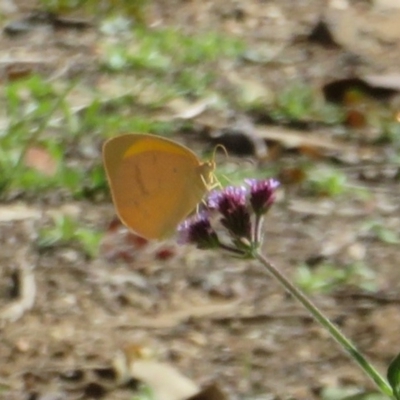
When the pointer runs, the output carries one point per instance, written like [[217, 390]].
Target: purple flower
[[231, 203], [240, 211], [198, 230], [227, 199], [262, 194]]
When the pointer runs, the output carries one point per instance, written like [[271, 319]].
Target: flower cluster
[[231, 204], [198, 230], [240, 211]]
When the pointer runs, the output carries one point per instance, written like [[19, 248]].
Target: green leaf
[[351, 393], [393, 376]]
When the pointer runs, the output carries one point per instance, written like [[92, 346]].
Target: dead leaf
[[174, 318], [183, 109], [316, 143], [391, 81], [337, 91], [363, 31], [39, 159], [18, 68], [312, 152], [166, 382], [291, 138], [211, 392], [292, 176], [194, 110], [26, 300], [18, 212], [386, 5], [356, 119]]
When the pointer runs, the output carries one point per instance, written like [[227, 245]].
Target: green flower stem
[[258, 230], [328, 325]]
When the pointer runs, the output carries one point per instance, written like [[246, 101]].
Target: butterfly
[[155, 182]]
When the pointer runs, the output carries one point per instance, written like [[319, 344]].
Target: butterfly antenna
[[223, 148]]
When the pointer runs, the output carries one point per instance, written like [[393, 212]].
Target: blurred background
[[303, 91]]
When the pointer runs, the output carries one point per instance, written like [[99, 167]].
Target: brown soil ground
[[212, 317]]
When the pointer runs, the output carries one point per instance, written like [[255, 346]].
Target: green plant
[[327, 277], [66, 231], [326, 182], [35, 108], [144, 393], [300, 102], [391, 131], [350, 393], [131, 8], [376, 229], [31, 103], [179, 63]]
